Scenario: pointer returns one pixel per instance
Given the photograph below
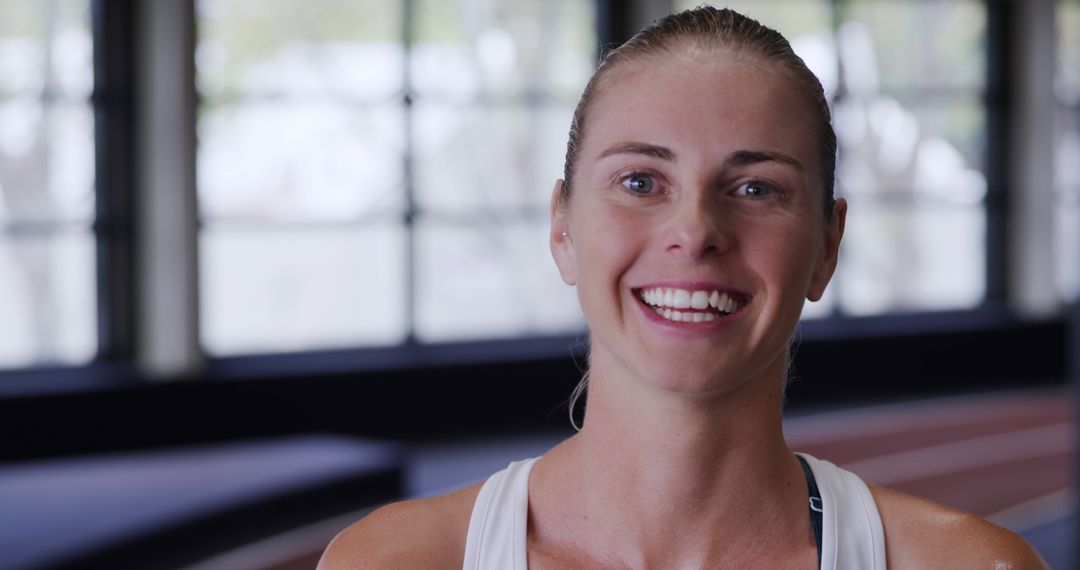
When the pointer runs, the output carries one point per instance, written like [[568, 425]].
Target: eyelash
[[770, 189]]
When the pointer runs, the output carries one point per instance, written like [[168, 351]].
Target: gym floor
[[1007, 456]]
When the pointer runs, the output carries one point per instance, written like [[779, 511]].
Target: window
[[377, 173], [372, 172], [906, 81], [1067, 161], [47, 202]]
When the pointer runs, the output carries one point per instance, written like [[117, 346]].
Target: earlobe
[[562, 245], [830, 255]]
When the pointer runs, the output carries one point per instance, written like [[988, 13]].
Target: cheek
[[600, 265], [785, 256], [607, 244]]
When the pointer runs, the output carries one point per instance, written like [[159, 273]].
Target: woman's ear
[[562, 244], [826, 265]]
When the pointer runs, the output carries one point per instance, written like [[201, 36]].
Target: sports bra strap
[[816, 507]]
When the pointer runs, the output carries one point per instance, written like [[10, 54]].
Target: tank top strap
[[497, 538], [852, 537]]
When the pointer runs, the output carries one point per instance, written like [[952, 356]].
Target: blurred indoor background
[[265, 264]]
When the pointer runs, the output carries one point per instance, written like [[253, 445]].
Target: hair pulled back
[[710, 29], [706, 29]]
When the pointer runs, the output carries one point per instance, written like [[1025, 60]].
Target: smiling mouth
[[683, 305]]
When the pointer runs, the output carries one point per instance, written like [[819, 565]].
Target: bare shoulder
[[923, 534], [422, 533]]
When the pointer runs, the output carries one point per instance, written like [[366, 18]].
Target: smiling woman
[[690, 221]]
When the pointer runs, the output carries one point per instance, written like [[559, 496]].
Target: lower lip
[[691, 328]]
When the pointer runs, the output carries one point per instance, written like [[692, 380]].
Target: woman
[[695, 217]]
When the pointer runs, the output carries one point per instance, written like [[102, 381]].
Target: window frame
[[115, 40], [113, 32]]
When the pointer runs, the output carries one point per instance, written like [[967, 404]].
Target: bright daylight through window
[[367, 174], [1067, 143], [375, 172], [47, 292]]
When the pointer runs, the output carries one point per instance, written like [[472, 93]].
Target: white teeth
[[684, 299], [686, 317]]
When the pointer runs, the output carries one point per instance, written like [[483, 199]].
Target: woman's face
[[695, 229]]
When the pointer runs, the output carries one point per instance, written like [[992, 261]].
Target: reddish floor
[[1009, 457], [985, 454]]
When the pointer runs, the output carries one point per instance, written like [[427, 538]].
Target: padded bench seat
[[168, 508]]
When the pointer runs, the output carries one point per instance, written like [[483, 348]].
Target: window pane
[[46, 47], [911, 132], [907, 257], [1068, 53], [482, 158], [1067, 155], [299, 161], [958, 120], [1067, 222], [316, 47], [915, 237], [274, 288], [46, 161], [1067, 158], [301, 147], [928, 44], [503, 47], [47, 294], [490, 279], [932, 151], [47, 298]]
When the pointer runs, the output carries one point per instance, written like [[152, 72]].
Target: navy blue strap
[[815, 505]]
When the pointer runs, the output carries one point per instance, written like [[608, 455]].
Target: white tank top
[[852, 536]]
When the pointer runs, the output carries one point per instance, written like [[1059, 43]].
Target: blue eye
[[755, 189], [638, 183]]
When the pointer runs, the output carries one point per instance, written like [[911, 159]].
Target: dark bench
[[169, 508]]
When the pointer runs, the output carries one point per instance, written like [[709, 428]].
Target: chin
[[717, 375], [698, 382]]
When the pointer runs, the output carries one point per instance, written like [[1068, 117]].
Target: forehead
[[705, 103]]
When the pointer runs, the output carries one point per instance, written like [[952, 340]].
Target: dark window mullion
[[113, 37], [998, 106], [614, 23]]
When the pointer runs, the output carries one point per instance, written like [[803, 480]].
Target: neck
[[661, 475], [686, 448]]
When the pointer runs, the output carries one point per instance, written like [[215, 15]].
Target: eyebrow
[[748, 157], [655, 151], [737, 158]]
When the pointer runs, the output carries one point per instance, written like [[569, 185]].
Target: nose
[[698, 228]]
